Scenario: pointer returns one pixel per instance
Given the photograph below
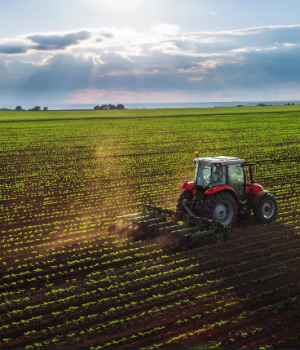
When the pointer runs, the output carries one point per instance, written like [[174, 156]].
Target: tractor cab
[[223, 171]]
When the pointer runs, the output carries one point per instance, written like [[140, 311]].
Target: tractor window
[[236, 178], [218, 175], [203, 175]]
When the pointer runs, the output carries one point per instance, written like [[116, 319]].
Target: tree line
[[19, 108], [109, 107], [36, 108]]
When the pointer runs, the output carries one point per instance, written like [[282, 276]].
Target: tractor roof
[[218, 160]]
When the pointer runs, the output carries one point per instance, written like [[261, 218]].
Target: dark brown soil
[[250, 283]]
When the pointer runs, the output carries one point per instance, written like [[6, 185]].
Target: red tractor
[[208, 206], [221, 191]]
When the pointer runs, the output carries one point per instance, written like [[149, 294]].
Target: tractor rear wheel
[[266, 209], [221, 207]]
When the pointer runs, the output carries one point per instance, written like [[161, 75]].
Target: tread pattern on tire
[[258, 210], [211, 202]]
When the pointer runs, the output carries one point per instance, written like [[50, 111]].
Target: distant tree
[[102, 107], [109, 106], [45, 109], [36, 108], [18, 108]]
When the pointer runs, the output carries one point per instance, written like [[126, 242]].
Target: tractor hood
[[190, 186]]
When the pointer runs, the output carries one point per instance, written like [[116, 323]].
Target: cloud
[[163, 60], [166, 47], [167, 29], [57, 42], [289, 45], [43, 42], [213, 13], [12, 47], [106, 35], [51, 42]]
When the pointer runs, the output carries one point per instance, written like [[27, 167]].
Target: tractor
[[209, 206], [221, 191]]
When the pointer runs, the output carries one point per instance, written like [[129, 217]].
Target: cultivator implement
[[175, 227]]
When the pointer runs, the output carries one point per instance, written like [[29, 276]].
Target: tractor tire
[[184, 195], [266, 210], [220, 207]]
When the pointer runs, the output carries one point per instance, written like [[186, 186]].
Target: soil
[[124, 300]]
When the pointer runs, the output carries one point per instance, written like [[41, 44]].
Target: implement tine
[[149, 221], [129, 216], [185, 227]]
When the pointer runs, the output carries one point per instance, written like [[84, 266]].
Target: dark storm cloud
[[58, 42]]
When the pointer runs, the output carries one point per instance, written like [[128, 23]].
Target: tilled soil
[[234, 294], [71, 279]]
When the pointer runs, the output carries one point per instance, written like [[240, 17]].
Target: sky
[[143, 51]]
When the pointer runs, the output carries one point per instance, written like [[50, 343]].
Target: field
[[68, 280]]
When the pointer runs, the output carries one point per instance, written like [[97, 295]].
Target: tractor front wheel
[[221, 207], [266, 209]]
